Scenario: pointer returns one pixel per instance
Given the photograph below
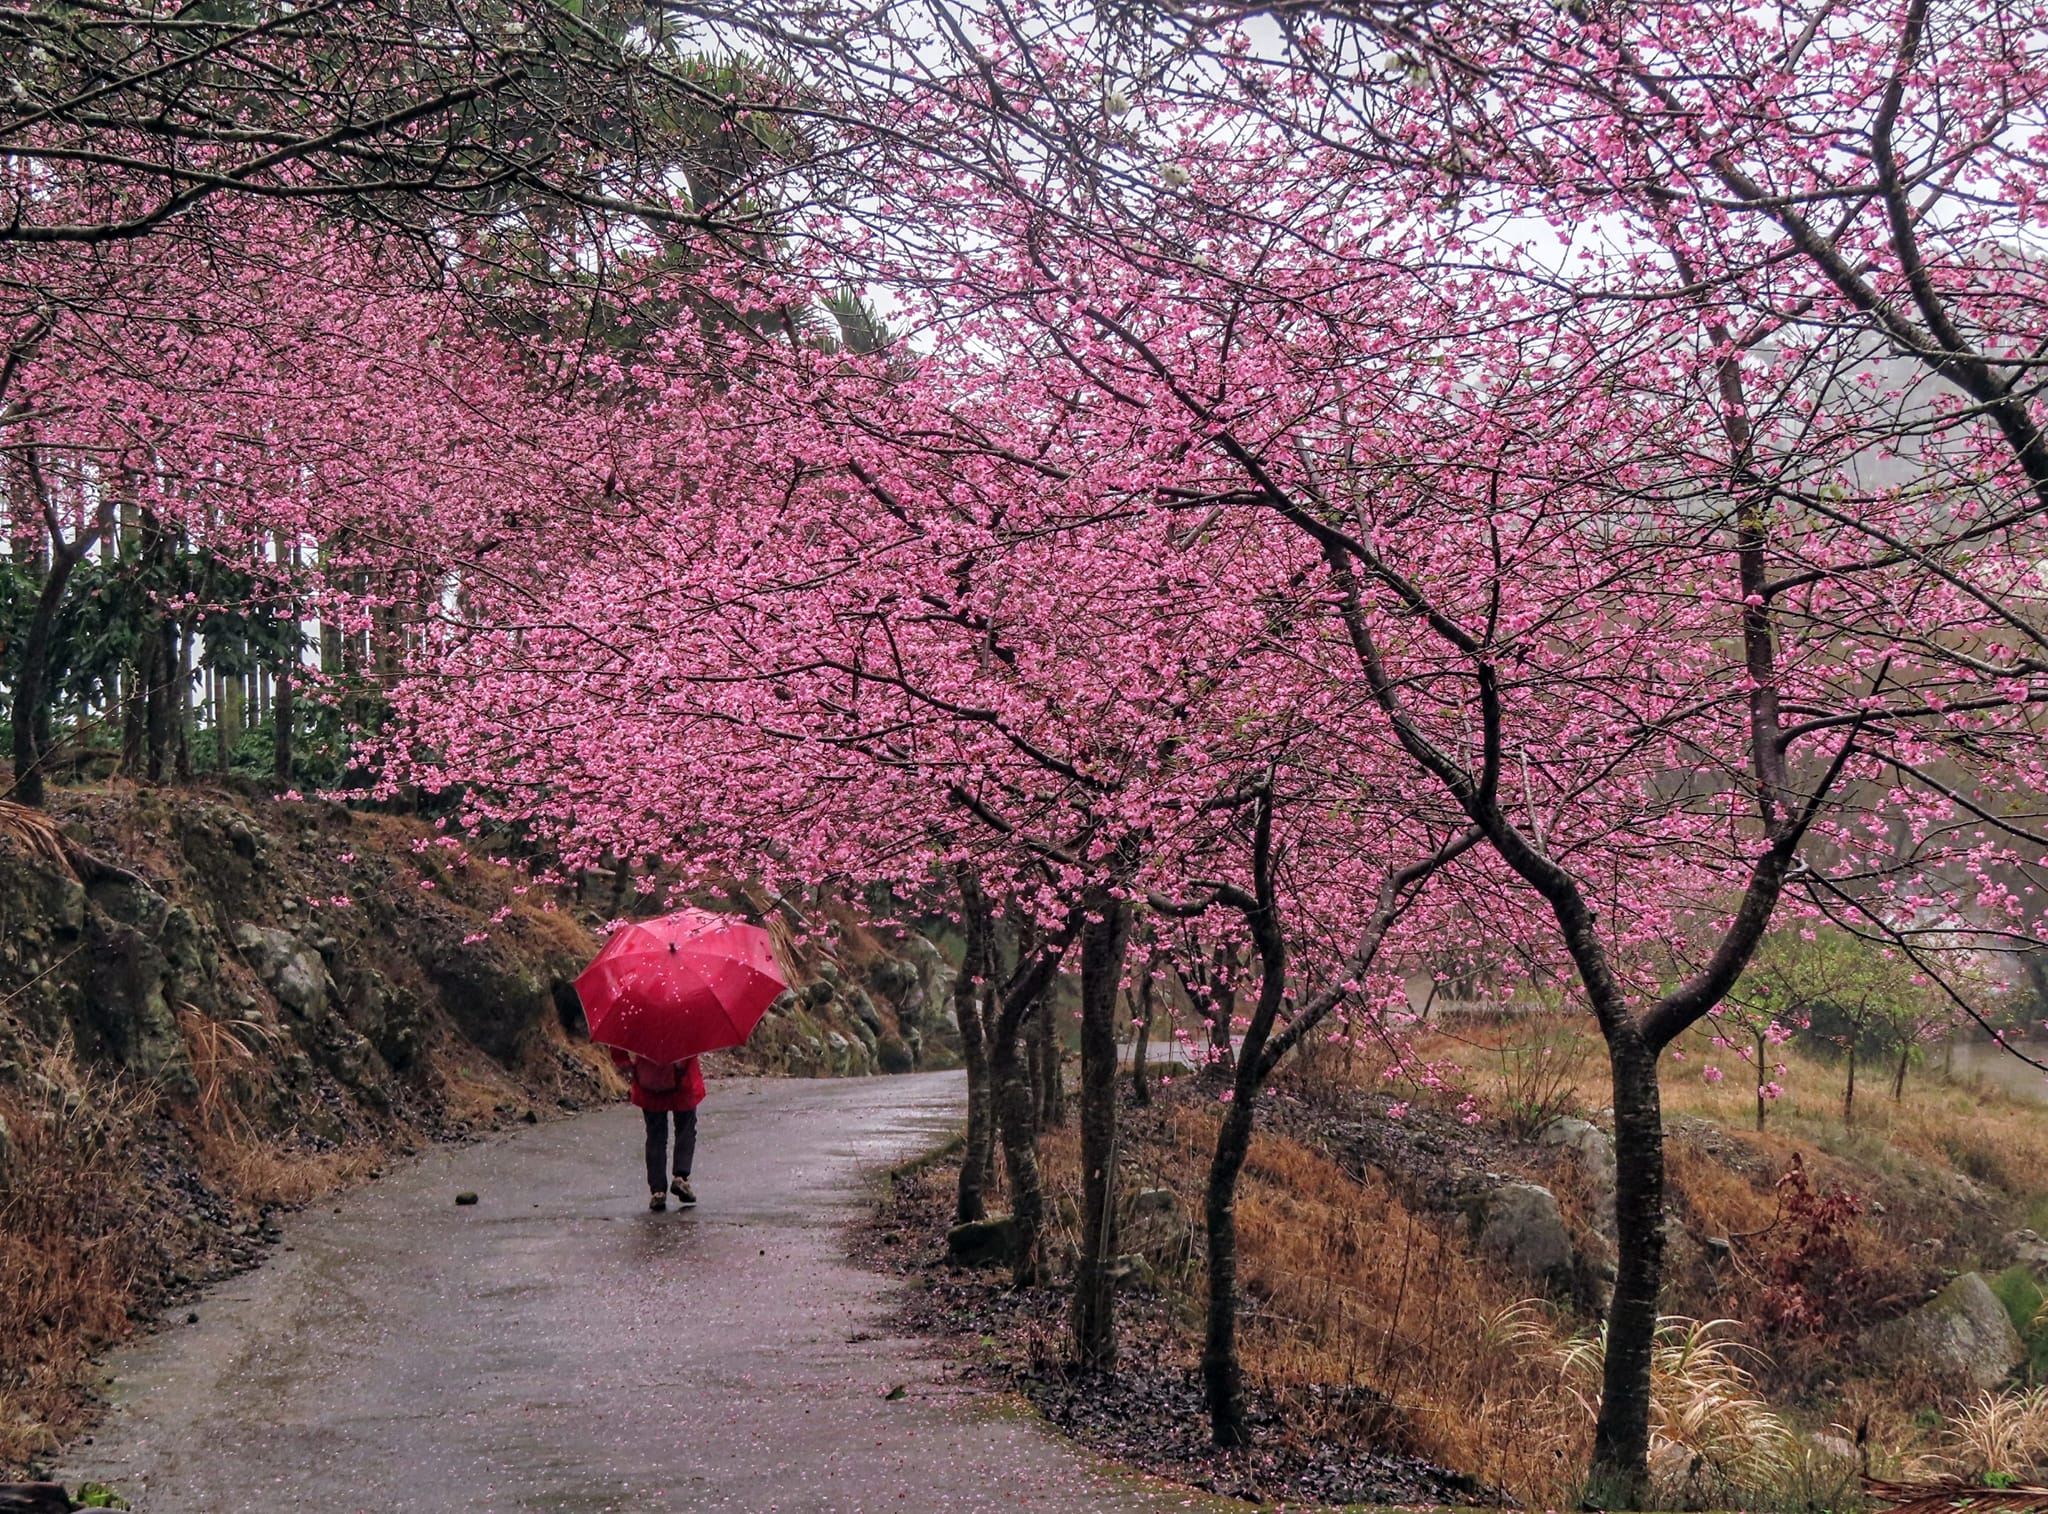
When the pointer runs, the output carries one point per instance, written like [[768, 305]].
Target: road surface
[[558, 1348]]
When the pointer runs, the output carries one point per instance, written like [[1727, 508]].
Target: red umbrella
[[681, 985]]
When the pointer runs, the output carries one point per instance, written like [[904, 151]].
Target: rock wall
[[318, 940], [861, 1004]]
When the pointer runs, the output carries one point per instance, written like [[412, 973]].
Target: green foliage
[[1540, 1073], [1844, 992], [2021, 1293], [112, 603], [1847, 996], [320, 749], [98, 628]]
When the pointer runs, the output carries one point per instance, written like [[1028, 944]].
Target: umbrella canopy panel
[[679, 986]]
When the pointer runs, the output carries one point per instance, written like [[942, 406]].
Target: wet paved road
[[557, 1348]]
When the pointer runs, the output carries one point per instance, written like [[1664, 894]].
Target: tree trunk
[[183, 763], [1222, 1373], [1016, 1120], [1017, 1125], [134, 704], [1047, 1077], [976, 1161], [1849, 1091], [1621, 1436], [330, 647], [231, 692], [1899, 1080], [1141, 1042], [283, 710], [31, 703], [1103, 945], [159, 704]]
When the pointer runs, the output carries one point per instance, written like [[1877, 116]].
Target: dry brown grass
[[226, 1059], [257, 1173], [1951, 1166], [71, 1257], [1962, 1126], [2002, 1434], [1343, 1287]]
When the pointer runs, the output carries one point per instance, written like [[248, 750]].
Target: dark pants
[[657, 1146]]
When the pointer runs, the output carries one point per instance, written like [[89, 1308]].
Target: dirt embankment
[[214, 1006]]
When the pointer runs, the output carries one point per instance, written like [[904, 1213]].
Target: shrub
[[1811, 1280], [1714, 1440], [2021, 1293], [1999, 1438], [1540, 1075]]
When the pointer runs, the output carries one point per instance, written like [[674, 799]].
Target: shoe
[[686, 1196], [657, 1202]]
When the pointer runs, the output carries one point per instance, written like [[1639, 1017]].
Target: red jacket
[[687, 1094]]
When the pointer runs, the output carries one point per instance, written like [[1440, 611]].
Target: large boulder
[[1157, 1227], [2026, 1249], [225, 854], [39, 900], [1962, 1335], [899, 981], [126, 1006], [893, 1055], [1585, 1140], [294, 972], [846, 1058], [864, 1010], [42, 917], [1593, 1151], [982, 1243], [493, 996], [1520, 1226], [142, 959], [389, 1017]]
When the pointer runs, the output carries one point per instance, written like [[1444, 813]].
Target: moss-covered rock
[[1521, 1226], [982, 1243], [294, 972], [496, 998], [1962, 1335]]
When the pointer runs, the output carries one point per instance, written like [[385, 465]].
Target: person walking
[[663, 1091]]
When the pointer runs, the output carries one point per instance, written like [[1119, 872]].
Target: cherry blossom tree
[[1592, 458], [1605, 537]]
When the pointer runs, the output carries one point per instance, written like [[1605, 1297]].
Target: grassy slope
[[1357, 1275]]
